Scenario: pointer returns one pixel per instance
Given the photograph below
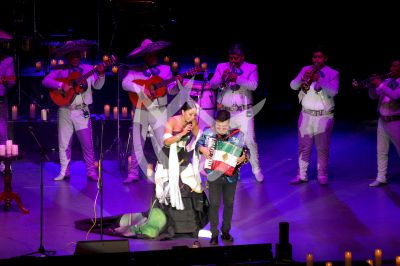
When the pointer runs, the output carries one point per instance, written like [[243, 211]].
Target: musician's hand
[[206, 152], [306, 75], [65, 87], [375, 81], [316, 77], [232, 77], [188, 128], [224, 76], [241, 159], [179, 78], [100, 70]]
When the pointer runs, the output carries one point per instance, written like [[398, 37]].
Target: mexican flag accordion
[[225, 157]]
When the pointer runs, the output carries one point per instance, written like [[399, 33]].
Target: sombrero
[[5, 36], [148, 46], [72, 46]]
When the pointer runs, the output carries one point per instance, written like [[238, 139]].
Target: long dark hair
[[188, 105]]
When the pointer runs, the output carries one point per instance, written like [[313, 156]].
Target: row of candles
[[348, 259], [114, 69], [115, 111], [32, 112], [43, 112], [8, 149]]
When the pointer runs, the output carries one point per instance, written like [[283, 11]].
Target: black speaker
[[283, 249], [102, 246]]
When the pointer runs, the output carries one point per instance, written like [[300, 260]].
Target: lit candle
[[43, 114], [53, 62], [370, 262], [105, 58], [132, 114], [38, 66], [328, 263], [397, 260], [124, 112], [378, 257], [115, 112], [8, 147], [14, 149], [107, 110], [114, 69], [14, 112], [175, 66], [32, 111], [309, 259], [166, 60], [204, 66], [2, 150], [196, 61], [61, 62], [347, 258]]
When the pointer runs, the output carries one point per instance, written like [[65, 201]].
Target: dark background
[[279, 37]]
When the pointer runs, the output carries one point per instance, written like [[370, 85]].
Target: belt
[[237, 108], [317, 112], [77, 107], [390, 118], [143, 107]]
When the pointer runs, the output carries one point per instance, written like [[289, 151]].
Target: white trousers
[[156, 118], [70, 121], [245, 122], [387, 132]]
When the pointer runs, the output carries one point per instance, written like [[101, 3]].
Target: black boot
[[214, 240], [226, 237]]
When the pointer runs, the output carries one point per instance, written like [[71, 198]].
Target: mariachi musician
[[236, 80], [73, 116], [147, 86]]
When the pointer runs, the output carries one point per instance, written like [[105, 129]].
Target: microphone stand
[[100, 183], [117, 139], [43, 155]]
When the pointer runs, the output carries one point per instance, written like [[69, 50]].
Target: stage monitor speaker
[[102, 246]]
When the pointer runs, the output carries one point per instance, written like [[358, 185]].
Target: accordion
[[224, 156]]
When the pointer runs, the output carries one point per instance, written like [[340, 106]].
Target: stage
[[326, 221]]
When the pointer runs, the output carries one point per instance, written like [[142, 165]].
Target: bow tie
[[75, 69], [237, 71], [152, 71]]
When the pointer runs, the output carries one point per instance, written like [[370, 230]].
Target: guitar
[[156, 87], [78, 83], [6, 79]]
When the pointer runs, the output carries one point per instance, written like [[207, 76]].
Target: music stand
[[43, 155]]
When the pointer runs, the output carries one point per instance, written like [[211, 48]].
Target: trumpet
[[305, 86], [357, 84], [225, 82]]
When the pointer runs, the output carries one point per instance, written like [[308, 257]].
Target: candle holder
[[378, 257], [43, 115], [14, 112], [115, 112], [32, 111], [107, 111]]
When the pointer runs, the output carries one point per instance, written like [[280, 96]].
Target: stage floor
[[345, 215]]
